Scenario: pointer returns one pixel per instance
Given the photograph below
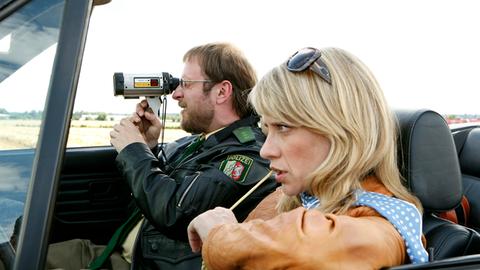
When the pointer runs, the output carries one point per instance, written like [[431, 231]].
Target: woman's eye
[[282, 127], [276, 127]]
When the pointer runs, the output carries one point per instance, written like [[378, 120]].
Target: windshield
[[27, 50]]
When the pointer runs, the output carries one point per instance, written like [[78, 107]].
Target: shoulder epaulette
[[244, 134]]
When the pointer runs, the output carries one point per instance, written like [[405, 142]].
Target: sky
[[424, 53]]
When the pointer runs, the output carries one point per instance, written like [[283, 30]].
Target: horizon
[[177, 113]]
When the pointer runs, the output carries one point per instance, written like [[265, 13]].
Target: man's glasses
[[186, 83], [309, 58]]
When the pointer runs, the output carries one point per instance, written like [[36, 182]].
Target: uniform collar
[[225, 132], [211, 133]]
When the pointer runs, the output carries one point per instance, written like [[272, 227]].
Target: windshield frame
[[42, 192], [10, 7]]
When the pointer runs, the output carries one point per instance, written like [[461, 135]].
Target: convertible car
[[50, 192]]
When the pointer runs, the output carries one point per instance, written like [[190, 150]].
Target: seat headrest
[[470, 154], [428, 159]]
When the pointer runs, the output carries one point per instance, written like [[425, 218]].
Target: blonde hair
[[351, 113]]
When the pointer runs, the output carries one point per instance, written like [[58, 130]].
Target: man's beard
[[199, 120]]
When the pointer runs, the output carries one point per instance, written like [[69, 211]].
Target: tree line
[[99, 116], [28, 115]]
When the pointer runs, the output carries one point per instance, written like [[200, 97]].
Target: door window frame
[[42, 192]]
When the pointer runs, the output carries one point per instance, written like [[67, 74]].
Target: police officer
[[173, 185], [213, 168]]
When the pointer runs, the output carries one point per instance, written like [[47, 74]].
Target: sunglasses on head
[[309, 58]]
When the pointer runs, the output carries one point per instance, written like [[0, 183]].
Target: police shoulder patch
[[244, 134], [236, 167]]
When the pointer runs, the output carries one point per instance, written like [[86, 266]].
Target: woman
[[331, 143]]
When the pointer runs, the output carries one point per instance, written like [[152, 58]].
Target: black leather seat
[[469, 157], [428, 161]]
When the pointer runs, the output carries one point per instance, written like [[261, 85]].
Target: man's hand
[[148, 123], [124, 134], [200, 226]]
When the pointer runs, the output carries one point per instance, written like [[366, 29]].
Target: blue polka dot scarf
[[309, 201], [403, 215]]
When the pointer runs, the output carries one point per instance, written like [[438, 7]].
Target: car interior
[[440, 167], [92, 197], [468, 147], [429, 163]]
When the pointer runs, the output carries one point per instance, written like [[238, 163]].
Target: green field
[[18, 134]]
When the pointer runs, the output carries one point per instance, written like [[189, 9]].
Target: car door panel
[[92, 198]]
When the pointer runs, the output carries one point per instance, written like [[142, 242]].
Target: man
[[183, 182], [193, 174]]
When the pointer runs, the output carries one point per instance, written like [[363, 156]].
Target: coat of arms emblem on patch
[[236, 167]]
